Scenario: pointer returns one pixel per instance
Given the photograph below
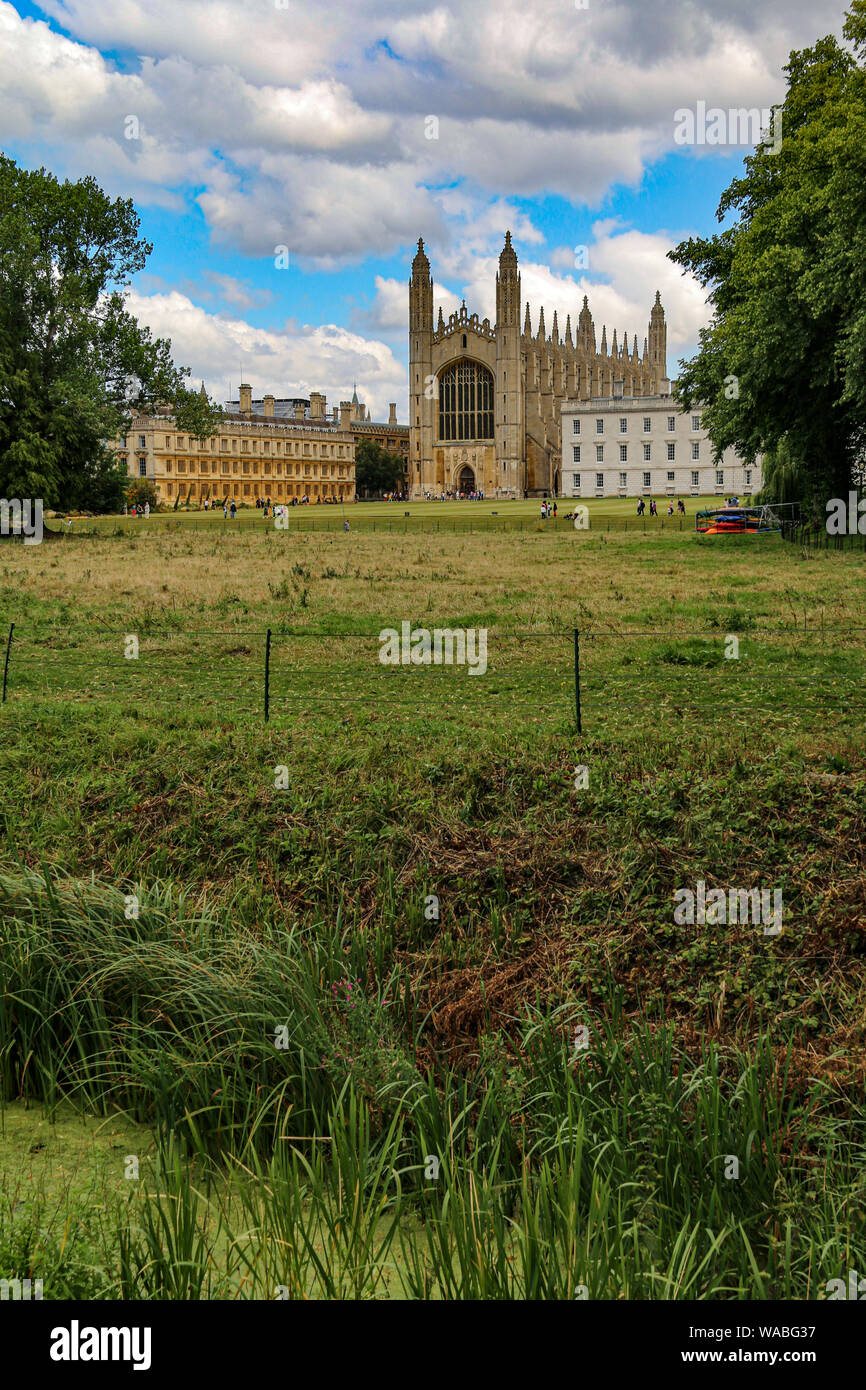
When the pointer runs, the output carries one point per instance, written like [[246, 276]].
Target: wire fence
[[403, 522], [597, 677], [409, 519], [819, 538]]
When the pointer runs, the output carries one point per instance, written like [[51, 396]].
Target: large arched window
[[466, 402]]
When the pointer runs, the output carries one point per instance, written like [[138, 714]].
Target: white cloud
[[238, 293], [323, 212], [305, 125]]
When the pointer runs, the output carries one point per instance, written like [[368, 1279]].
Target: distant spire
[[568, 330], [614, 351], [421, 265], [527, 322], [203, 392], [603, 348], [440, 327], [555, 330], [541, 324], [355, 400]]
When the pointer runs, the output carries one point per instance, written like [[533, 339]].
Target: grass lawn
[[492, 516]]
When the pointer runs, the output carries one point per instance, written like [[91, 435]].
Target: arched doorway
[[466, 481]]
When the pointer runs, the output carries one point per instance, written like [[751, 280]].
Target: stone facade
[[485, 400], [646, 446]]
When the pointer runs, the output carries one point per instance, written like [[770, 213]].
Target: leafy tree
[[376, 470], [75, 366], [784, 476], [141, 490], [782, 366]]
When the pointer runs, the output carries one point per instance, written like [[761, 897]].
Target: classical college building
[[485, 400], [630, 446], [288, 448]]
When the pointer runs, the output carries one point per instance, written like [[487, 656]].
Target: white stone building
[[645, 446]]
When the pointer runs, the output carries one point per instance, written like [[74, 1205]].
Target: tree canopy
[[782, 366], [376, 470], [75, 366]]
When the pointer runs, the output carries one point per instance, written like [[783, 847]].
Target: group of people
[[265, 505], [654, 511], [448, 496], [548, 509], [137, 509]]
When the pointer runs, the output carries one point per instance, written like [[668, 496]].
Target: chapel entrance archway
[[466, 480]]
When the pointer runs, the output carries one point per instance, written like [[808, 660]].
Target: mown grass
[[394, 518], [410, 1033]]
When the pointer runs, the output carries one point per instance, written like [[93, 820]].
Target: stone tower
[[658, 341], [508, 399], [422, 402]]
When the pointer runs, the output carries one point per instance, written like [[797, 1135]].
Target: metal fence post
[[6, 664], [577, 680], [268, 676]]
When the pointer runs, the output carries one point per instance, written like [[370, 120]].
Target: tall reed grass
[[304, 1152]]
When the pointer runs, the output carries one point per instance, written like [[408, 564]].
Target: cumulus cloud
[[240, 294], [309, 127]]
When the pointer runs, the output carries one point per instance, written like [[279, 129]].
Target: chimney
[[245, 399], [392, 413], [299, 410], [346, 410], [317, 405], [269, 407]]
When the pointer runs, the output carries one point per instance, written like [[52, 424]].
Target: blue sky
[[344, 132]]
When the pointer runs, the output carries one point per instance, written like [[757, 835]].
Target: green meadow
[[487, 517], [384, 994]]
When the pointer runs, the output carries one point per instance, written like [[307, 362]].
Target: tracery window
[[466, 402]]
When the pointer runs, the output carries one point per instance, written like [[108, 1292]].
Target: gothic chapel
[[485, 401]]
